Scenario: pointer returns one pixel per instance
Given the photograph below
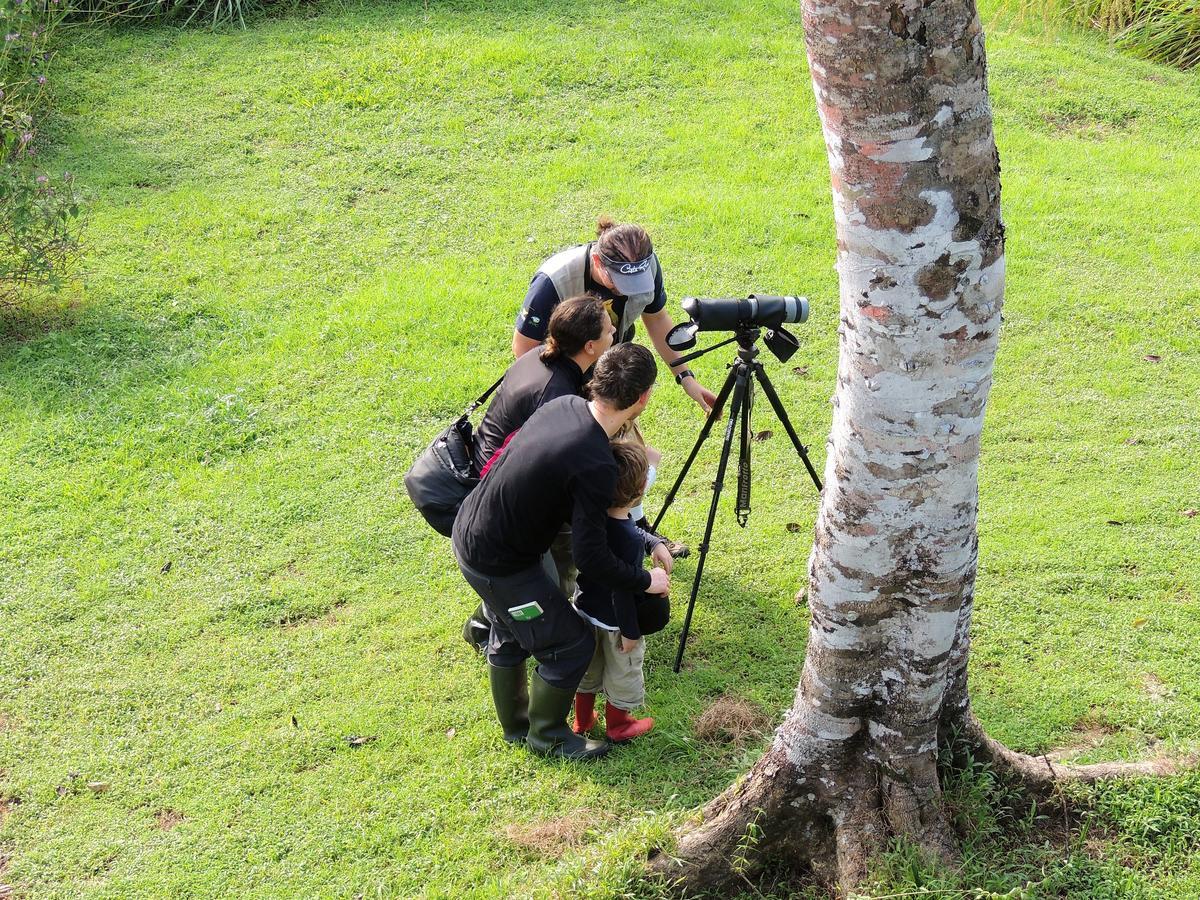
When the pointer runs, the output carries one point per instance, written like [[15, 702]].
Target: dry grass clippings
[[731, 720], [553, 837], [166, 819]]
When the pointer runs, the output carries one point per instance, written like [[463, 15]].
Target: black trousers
[[560, 641]]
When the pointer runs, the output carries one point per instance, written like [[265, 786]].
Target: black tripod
[[740, 382]]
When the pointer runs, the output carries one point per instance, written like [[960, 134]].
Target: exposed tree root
[[810, 822], [759, 818], [1040, 774], [784, 814], [911, 800], [859, 835]]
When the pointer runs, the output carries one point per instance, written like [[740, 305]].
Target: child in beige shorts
[[621, 619]]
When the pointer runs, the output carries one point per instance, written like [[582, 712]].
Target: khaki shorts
[[616, 675]]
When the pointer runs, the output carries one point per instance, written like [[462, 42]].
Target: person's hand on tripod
[[660, 581]]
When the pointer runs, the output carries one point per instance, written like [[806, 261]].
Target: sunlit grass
[[308, 243]]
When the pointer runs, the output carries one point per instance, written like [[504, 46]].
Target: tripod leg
[[741, 508], [708, 424], [741, 374], [769, 390]]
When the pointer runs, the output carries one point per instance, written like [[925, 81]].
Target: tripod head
[[781, 342]]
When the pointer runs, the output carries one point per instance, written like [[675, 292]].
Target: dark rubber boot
[[621, 726], [477, 630], [549, 733], [510, 693], [585, 713]]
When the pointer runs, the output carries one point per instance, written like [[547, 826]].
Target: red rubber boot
[[621, 726], [585, 713]]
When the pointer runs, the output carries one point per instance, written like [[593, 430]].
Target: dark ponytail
[[573, 323]]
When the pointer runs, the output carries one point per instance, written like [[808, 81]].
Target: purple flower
[[41, 79], [26, 137], [42, 179]]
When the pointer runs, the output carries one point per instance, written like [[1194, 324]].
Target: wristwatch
[[686, 373]]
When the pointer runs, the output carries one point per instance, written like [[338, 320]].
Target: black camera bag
[[440, 478]]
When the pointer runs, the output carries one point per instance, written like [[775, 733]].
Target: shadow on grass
[[26, 315], [744, 644], [64, 354]]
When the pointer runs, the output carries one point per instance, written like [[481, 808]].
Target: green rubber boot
[[510, 693], [549, 733]]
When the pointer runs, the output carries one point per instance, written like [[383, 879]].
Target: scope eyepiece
[[755, 311]]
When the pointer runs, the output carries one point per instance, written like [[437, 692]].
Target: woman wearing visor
[[620, 265]]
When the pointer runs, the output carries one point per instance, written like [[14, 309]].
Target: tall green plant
[[39, 215], [186, 12], [1166, 30], [1163, 30]]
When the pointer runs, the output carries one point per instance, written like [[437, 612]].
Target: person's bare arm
[[657, 325], [522, 345]]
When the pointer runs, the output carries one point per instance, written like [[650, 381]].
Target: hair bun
[[550, 349], [604, 223]]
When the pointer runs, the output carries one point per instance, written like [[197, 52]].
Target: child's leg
[[624, 683], [585, 694], [624, 691]]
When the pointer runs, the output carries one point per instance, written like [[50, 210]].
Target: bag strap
[[478, 401]]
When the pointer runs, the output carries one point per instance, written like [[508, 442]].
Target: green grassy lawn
[[308, 241]]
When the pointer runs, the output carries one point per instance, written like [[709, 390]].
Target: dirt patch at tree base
[[1088, 733]]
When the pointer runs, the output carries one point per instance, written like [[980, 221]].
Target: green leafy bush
[[1165, 30], [39, 228], [39, 215]]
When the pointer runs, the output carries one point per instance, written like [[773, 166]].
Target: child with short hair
[[620, 618]]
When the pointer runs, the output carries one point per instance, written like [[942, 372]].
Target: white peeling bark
[[901, 89], [902, 94]]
